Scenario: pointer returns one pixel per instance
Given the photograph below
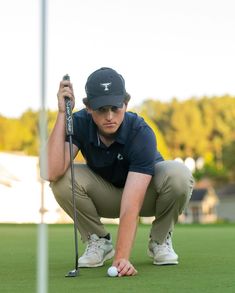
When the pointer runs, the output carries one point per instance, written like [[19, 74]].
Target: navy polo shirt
[[134, 148]]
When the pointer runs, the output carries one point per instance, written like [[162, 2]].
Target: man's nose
[[109, 114]]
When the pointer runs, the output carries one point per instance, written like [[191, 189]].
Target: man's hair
[[126, 100]]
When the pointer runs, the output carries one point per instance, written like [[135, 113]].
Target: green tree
[[161, 145], [228, 158]]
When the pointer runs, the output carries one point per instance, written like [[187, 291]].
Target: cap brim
[[98, 102]]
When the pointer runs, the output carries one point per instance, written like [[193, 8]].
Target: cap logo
[[106, 86]]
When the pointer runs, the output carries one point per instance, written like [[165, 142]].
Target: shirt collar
[[93, 137]]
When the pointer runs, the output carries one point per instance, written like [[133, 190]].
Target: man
[[124, 175]]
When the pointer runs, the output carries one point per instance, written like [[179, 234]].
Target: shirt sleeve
[[143, 151]]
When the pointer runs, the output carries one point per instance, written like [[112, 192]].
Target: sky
[[163, 49]]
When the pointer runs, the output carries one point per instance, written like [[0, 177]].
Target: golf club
[[69, 132]]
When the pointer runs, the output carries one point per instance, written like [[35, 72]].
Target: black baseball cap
[[105, 87]]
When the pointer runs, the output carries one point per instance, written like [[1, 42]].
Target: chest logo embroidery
[[119, 157]]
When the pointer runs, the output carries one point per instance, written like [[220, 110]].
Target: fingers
[[125, 268], [65, 83], [65, 90]]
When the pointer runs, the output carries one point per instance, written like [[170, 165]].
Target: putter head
[[73, 273]]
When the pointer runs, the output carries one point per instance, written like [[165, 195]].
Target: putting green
[[207, 262]]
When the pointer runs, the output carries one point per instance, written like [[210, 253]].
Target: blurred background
[[178, 60]]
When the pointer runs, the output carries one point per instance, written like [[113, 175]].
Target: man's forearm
[[126, 234], [132, 199], [56, 149]]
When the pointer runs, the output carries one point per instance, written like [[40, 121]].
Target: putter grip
[[68, 112]]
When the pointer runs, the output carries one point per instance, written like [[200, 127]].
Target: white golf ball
[[112, 272]]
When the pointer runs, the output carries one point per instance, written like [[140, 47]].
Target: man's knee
[[180, 180], [61, 187], [177, 179]]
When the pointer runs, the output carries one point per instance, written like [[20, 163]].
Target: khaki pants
[[169, 191]]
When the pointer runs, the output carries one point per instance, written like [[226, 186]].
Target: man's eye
[[114, 109], [102, 109], [107, 109]]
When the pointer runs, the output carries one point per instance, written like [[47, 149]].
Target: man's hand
[[65, 90], [124, 267]]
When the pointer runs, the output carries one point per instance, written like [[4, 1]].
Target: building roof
[[226, 191]]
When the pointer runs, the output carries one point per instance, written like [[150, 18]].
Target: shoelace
[[165, 245], [93, 245]]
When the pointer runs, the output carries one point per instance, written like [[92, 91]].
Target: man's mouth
[[109, 124]]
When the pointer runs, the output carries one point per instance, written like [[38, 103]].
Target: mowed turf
[[207, 262]]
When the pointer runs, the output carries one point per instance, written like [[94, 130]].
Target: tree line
[[197, 128]]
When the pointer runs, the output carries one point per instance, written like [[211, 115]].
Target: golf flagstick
[[69, 132]]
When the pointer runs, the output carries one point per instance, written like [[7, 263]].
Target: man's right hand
[[65, 90], [124, 267]]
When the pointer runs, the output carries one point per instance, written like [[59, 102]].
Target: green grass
[[207, 262]]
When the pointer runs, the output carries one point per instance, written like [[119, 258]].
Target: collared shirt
[[134, 148]]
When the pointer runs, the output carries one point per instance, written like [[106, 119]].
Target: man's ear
[[89, 110], [125, 105], [85, 102]]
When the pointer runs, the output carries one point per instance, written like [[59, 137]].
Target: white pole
[[42, 254], [42, 267]]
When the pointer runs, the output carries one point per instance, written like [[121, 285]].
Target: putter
[[69, 132]]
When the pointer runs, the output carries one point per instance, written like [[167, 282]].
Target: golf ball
[[112, 272]]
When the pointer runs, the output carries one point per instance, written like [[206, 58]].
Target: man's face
[[108, 119]]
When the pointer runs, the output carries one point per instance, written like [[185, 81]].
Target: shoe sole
[[162, 263], [107, 257]]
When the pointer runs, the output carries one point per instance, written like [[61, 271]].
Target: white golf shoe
[[98, 250], [162, 254]]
